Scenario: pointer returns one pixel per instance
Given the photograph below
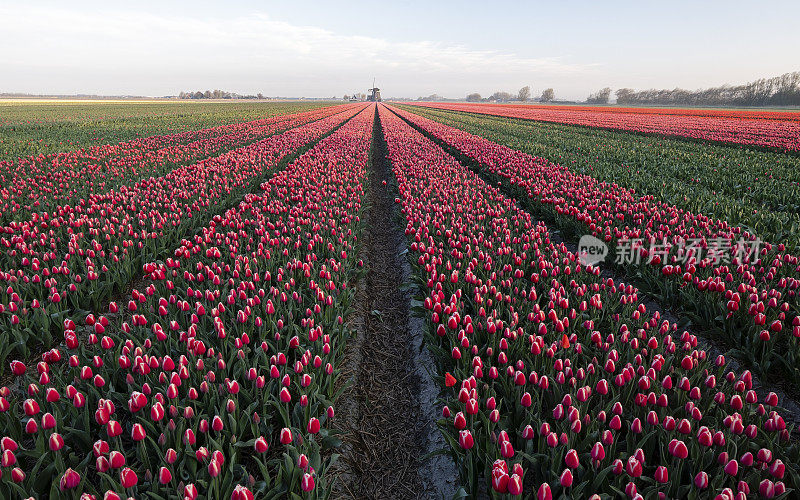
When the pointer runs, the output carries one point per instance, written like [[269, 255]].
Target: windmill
[[374, 93]]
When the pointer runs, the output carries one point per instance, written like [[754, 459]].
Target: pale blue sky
[[307, 48]]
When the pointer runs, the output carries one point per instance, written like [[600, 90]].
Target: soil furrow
[[389, 428]]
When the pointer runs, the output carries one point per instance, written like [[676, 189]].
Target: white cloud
[[127, 51]]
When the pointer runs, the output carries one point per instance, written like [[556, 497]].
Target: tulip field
[[189, 313], [42, 127], [779, 131]]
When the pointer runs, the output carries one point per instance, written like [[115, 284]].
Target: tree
[[599, 97], [500, 97], [548, 95], [261, 96], [473, 97], [524, 93], [776, 91], [625, 96], [345, 97]]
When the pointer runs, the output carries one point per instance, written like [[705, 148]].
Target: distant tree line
[[781, 90], [432, 97], [217, 94], [524, 94], [599, 97]]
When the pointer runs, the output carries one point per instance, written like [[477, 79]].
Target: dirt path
[[388, 429]]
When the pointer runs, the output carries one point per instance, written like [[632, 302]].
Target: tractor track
[[389, 428]]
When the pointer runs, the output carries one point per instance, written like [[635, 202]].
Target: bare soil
[[388, 427]]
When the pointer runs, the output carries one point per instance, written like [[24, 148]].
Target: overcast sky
[[413, 48]]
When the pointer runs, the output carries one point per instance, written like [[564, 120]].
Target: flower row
[[759, 190], [777, 134], [43, 184]]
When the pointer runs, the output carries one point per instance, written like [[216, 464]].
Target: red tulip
[[190, 492], [571, 459], [31, 407], [138, 433], [500, 479], [633, 467], [661, 475], [189, 437], [777, 469], [261, 445], [286, 436], [17, 475], [116, 459], [678, 449], [598, 452], [8, 459], [465, 439], [164, 475], [766, 489], [544, 493], [100, 447], [241, 493], [701, 480], [217, 424], [566, 478], [307, 482], [506, 449], [214, 468], [18, 368], [6, 443], [56, 442], [128, 478]]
